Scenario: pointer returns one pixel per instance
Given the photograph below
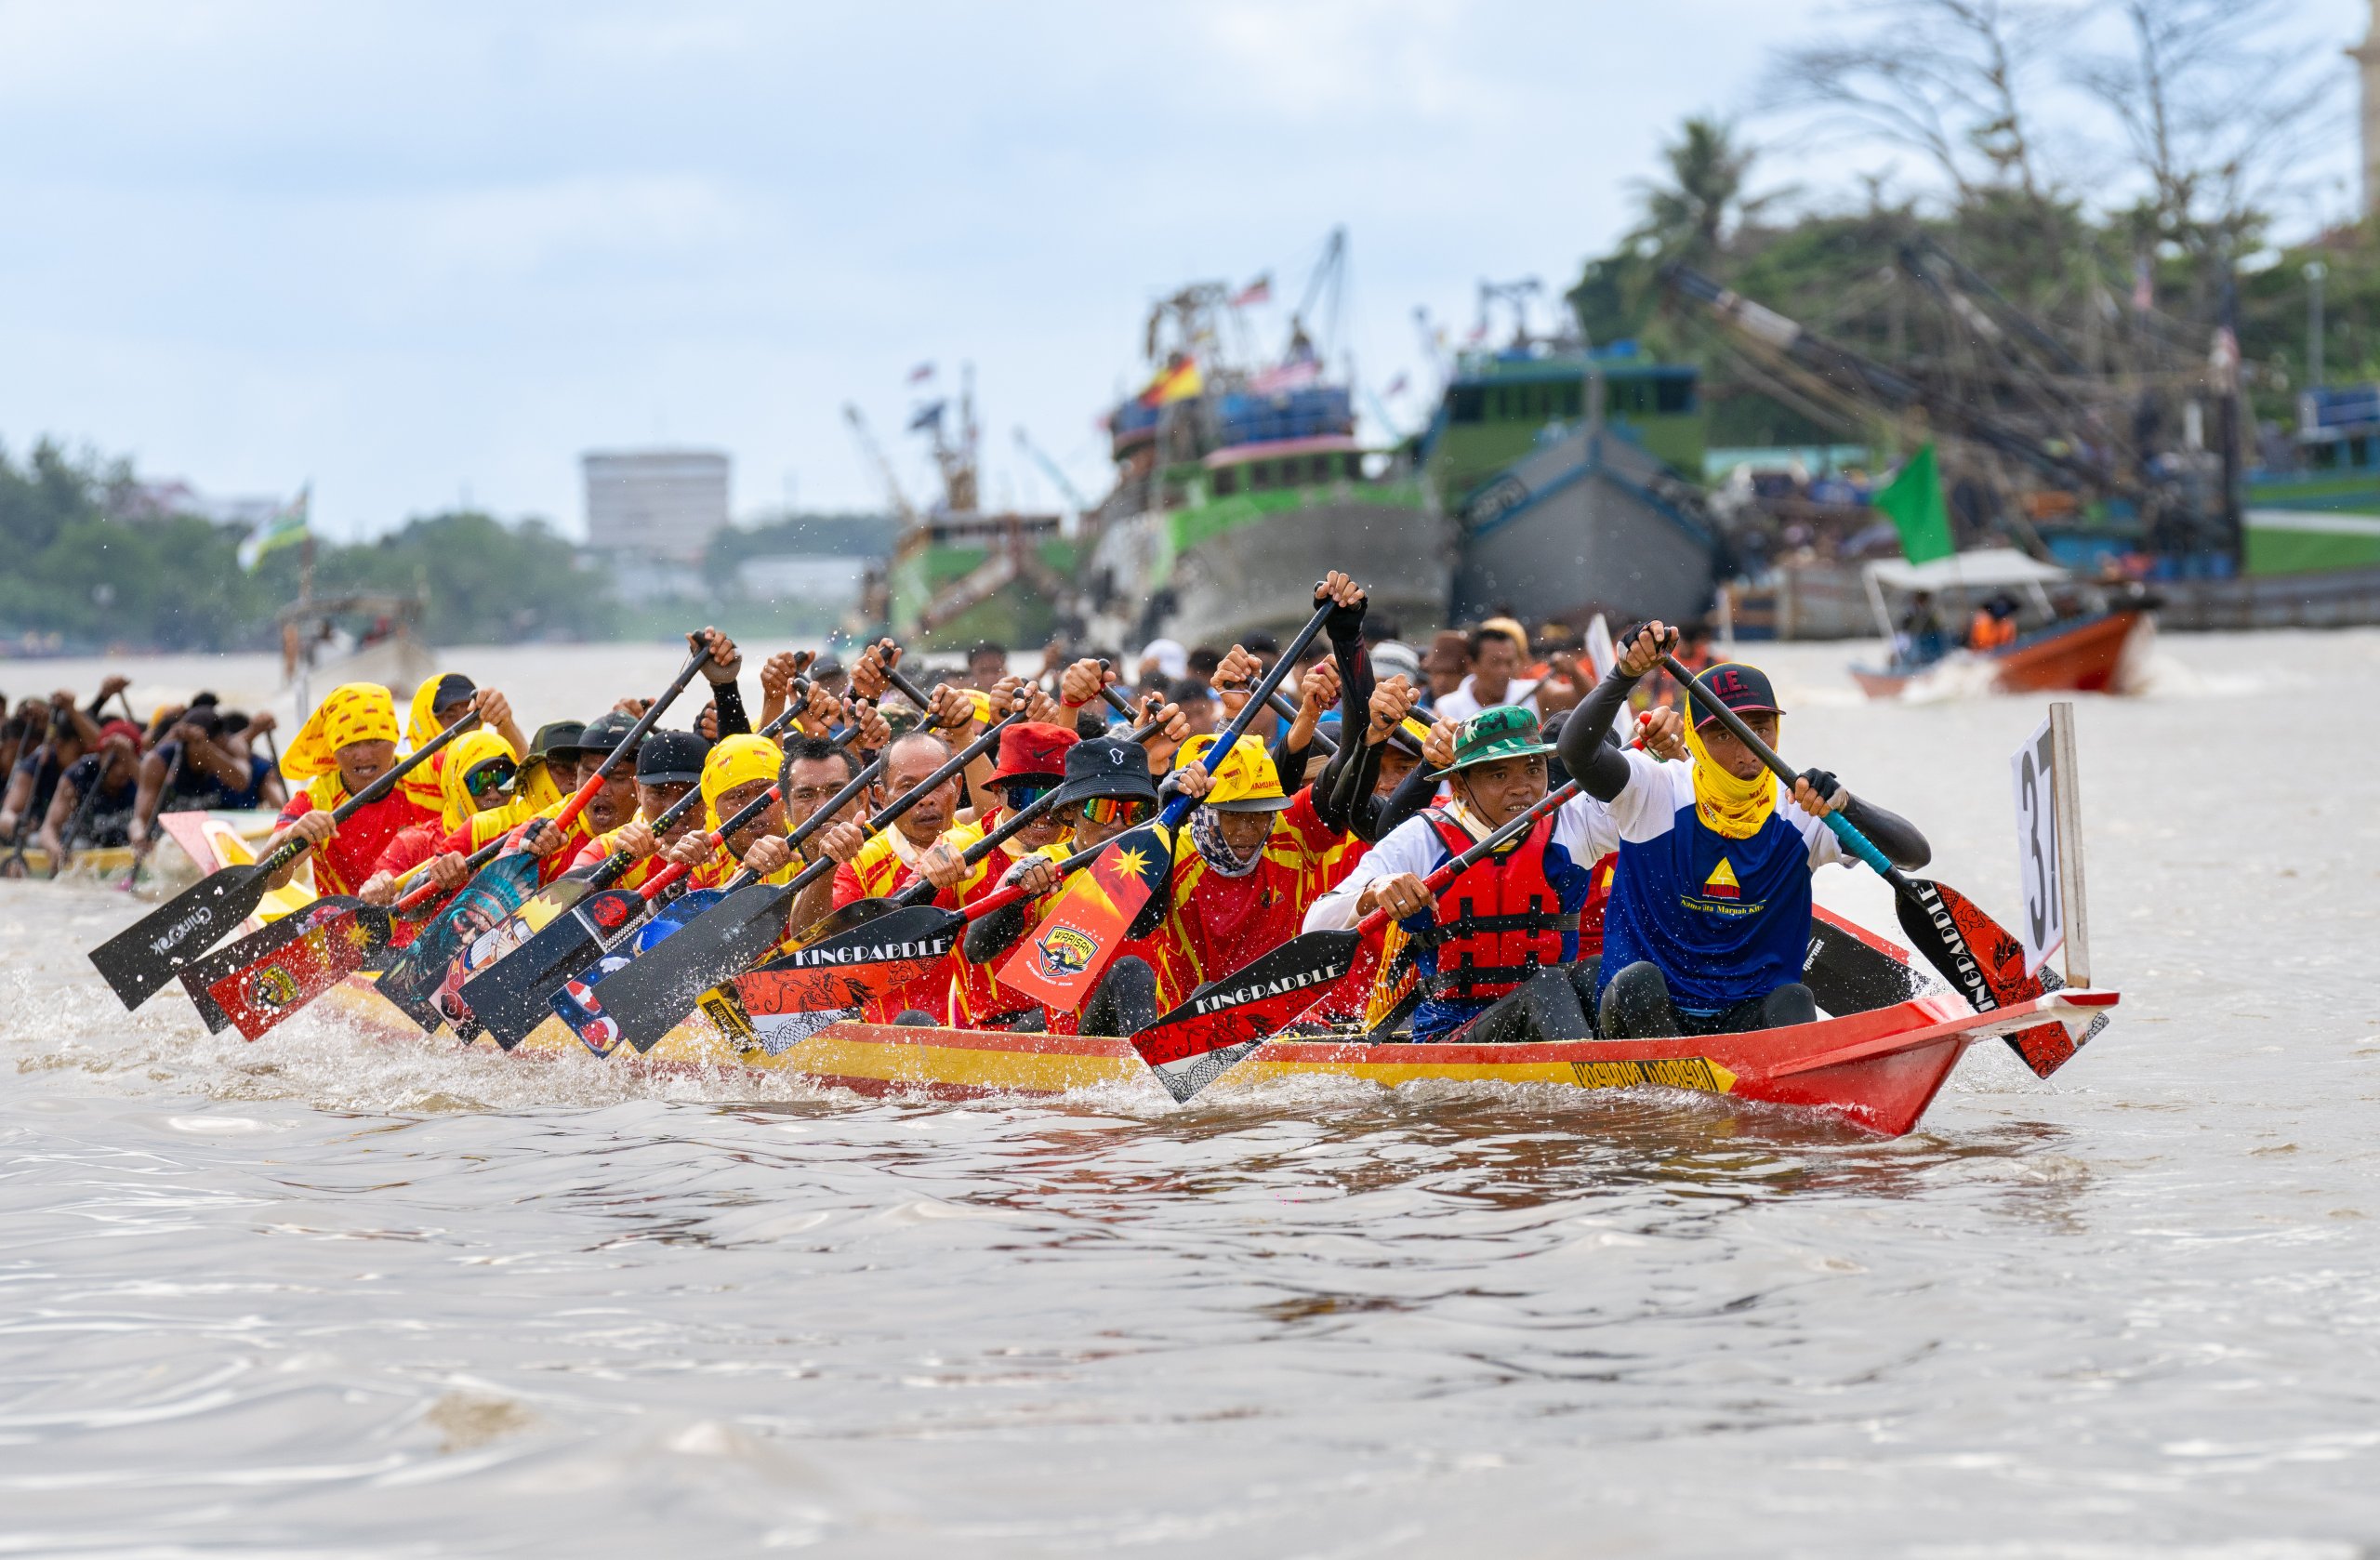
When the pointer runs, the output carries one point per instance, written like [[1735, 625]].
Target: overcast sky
[[414, 252]]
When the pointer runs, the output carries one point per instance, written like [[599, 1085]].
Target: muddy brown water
[[327, 1296]]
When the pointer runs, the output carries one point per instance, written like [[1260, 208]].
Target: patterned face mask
[[1206, 833]]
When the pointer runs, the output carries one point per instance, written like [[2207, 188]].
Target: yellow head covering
[[1727, 805], [737, 761], [421, 722], [463, 755], [1246, 773], [351, 712]]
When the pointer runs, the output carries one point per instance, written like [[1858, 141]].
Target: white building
[[662, 504]]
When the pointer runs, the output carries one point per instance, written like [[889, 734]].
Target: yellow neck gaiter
[[1724, 804]]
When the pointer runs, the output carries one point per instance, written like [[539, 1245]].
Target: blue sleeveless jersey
[[1723, 919]]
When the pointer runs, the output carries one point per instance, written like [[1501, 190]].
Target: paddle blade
[[333, 944], [1224, 1019], [423, 982], [1983, 963], [139, 961], [845, 971], [846, 917], [536, 914], [581, 1011], [1061, 959], [510, 996], [661, 985], [243, 954]]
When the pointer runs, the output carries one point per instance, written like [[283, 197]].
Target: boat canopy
[[1986, 569]]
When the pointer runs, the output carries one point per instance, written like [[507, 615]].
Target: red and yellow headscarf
[[463, 755], [352, 712]]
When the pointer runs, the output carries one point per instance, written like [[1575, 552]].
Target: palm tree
[[1696, 214]]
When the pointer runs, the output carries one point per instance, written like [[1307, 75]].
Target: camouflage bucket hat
[[1506, 732]]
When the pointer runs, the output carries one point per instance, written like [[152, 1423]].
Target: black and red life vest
[[1499, 921]]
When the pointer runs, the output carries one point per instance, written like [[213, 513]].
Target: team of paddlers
[[1654, 886]]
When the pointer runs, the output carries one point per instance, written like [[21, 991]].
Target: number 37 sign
[[2049, 845]]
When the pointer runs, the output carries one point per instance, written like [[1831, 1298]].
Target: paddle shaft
[[290, 850], [617, 864], [1845, 829], [627, 744], [1179, 808]]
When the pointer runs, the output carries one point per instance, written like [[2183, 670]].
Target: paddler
[[808, 772], [550, 770], [113, 773], [33, 783], [1107, 789], [441, 700], [347, 743], [478, 780], [1033, 762], [669, 765], [1710, 916], [1502, 945]]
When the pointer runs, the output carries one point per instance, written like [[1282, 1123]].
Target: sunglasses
[[1105, 810], [494, 775], [1021, 797]]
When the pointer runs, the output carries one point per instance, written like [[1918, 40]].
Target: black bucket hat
[[672, 757], [1105, 766]]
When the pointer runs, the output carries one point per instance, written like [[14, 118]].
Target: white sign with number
[[2042, 926]]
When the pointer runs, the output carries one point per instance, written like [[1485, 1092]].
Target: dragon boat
[[1889, 1042]]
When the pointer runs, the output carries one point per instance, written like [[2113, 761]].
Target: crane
[[874, 454], [1051, 468]]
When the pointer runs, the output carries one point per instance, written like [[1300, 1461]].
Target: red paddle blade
[[1062, 958], [1948, 923], [845, 971], [325, 951], [1223, 1020]]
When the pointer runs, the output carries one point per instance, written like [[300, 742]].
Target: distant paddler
[[1710, 916], [94, 800]]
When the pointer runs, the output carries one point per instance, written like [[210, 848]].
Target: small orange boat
[[2095, 651]]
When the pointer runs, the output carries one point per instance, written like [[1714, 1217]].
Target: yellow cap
[[1244, 779]]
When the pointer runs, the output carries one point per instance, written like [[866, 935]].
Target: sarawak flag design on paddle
[[1061, 959], [268, 991]]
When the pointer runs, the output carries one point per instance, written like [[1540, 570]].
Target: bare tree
[[1947, 78], [2217, 123]]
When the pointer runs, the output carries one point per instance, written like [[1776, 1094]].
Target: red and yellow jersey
[[596, 851], [977, 997], [881, 870], [1220, 923], [342, 863]]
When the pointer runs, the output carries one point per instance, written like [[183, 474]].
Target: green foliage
[[174, 583]]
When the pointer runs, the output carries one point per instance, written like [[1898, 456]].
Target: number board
[[2033, 769]]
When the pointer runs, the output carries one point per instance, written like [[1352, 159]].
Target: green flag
[[285, 528], [1914, 500]]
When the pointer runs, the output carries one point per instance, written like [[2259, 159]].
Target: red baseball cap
[[1033, 750]]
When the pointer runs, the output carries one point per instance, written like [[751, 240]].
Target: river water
[[323, 1296]]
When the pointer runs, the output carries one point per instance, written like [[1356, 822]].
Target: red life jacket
[[1500, 921]]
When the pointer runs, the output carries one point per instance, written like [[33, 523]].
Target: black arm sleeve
[[1600, 769], [1413, 794], [1891, 833], [1292, 765], [993, 933], [732, 720]]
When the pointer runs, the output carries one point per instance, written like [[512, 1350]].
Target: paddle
[[509, 998], [1941, 923], [1225, 1019], [660, 987], [144, 955], [312, 951], [505, 884], [898, 939], [1086, 922], [84, 806]]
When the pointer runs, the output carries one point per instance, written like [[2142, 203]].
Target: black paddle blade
[[1224, 1019], [138, 962], [510, 996], [233, 957], [844, 918], [845, 971], [1974, 951], [661, 984]]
